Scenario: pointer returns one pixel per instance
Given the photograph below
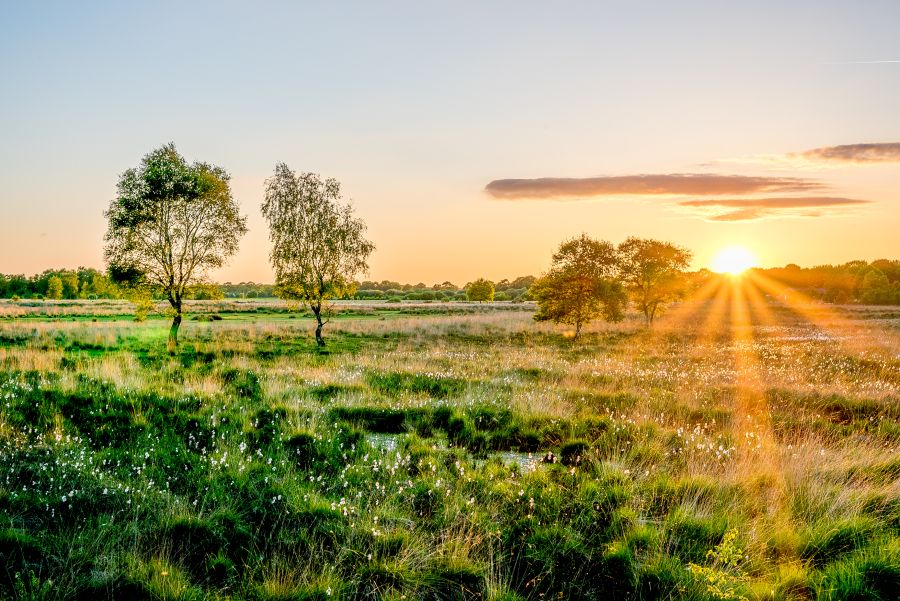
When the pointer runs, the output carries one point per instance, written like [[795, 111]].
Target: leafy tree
[[875, 288], [70, 283], [55, 288], [171, 223], [318, 246], [580, 285], [481, 291], [205, 292], [652, 273]]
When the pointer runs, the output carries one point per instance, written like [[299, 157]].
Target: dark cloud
[[701, 184], [744, 209], [888, 152]]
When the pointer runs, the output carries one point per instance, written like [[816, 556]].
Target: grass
[[448, 452]]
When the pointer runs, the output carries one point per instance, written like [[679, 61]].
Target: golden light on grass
[[733, 260]]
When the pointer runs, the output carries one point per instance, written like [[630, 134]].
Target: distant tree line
[[875, 283], [93, 284], [504, 290], [84, 283]]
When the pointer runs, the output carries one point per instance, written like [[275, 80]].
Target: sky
[[472, 137]]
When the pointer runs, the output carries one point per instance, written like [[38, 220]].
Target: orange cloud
[[745, 209], [701, 184]]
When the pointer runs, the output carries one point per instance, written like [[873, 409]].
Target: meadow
[[450, 452]]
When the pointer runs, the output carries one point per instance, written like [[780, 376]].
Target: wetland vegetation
[[450, 452]]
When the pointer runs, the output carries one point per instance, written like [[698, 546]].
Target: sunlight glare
[[733, 260]]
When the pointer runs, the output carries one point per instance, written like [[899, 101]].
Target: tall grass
[[473, 455]]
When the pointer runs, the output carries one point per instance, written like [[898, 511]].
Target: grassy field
[[450, 452]]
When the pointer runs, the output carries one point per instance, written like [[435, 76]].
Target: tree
[[875, 288], [481, 291], [580, 285], [652, 273], [318, 246], [171, 223], [71, 285], [54, 288]]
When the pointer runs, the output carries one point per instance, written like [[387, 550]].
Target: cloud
[[863, 63], [888, 152], [818, 158], [746, 209], [700, 184]]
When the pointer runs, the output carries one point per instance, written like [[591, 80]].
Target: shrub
[[723, 576]]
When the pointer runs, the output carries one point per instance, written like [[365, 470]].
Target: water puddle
[[526, 462], [383, 442]]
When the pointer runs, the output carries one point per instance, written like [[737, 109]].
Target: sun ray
[[759, 454], [758, 305], [824, 318], [714, 324], [693, 306]]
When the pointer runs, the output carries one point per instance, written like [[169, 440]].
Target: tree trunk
[[317, 311], [173, 331], [577, 329]]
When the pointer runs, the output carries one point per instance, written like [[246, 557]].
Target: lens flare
[[733, 260]]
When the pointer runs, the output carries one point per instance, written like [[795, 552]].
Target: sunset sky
[[472, 137]]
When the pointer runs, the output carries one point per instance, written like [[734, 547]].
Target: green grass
[[444, 453]]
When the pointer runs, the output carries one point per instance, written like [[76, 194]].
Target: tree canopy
[[580, 285], [653, 273], [481, 291], [318, 246], [169, 225]]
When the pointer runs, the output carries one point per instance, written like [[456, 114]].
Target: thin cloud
[[863, 62], [674, 184], [819, 158], [746, 209], [888, 152]]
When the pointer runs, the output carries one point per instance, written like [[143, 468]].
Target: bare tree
[[318, 246], [171, 223]]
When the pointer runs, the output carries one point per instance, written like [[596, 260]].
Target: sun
[[733, 260]]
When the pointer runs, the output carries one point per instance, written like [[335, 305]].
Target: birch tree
[[318, 246], [169, 225]]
